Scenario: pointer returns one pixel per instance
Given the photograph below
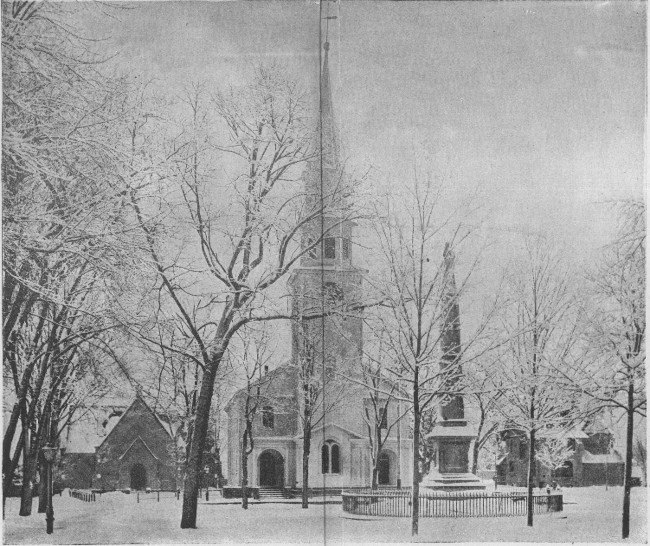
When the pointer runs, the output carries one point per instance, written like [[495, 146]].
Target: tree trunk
[[197, 444], [375, 462], [475, 451], [306, 448], [26, 492], [42, 489], [477, 444], [629, 438], [415, 492], [531, 477]]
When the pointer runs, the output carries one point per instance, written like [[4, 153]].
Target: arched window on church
[[345, 248], [268, 417], [329, 246], [331, 458]]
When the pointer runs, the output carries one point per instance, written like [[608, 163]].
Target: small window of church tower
[[268, 418]]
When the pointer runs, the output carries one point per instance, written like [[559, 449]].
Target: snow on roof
[[573, 432], [609, 458]]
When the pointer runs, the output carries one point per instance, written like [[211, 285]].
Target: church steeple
[[328, 136], [326, 278]]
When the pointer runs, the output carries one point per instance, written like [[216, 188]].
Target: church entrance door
[[384, 469], [138, 476], [271, 467]]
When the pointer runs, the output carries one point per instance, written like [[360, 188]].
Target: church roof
[[333, 425], [143, 443], [137, 399], [266, 378]]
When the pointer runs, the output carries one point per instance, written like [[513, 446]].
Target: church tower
[[327, 281]]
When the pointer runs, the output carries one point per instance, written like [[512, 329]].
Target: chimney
[[266, 370]]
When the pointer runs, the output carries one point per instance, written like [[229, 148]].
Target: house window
[[345, 248], [330, 458], [511, 466], [522, 450], [268, 417], [329, 244]]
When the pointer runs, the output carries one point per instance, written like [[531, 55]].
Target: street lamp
[[49, 454]]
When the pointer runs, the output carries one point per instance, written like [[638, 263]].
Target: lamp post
[[49, 454]]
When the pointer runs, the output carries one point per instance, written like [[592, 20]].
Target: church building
[[340, 454], [118, 447]]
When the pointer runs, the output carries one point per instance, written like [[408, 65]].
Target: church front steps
[[271, 493]]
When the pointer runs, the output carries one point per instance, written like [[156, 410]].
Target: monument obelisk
[[451, 436]]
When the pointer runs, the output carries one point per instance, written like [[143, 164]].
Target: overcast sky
[[539, 105]]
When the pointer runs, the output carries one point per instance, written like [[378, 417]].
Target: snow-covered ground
[[590, 515]]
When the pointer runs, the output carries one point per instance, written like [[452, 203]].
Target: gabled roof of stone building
[[137, 399], [133, 443]]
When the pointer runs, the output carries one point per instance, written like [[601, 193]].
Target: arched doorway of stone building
[[385, 472], [271, 469], [138, 476]]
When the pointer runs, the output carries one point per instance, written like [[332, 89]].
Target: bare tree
[[246, 223], [382, 410], [252, 359], [486, 396], [553, 452], [63, 223], [612, 373], [541, 329], [420, 298]]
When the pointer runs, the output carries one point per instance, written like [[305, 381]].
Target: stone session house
[[340, 453], [594, 460], [117, 448]]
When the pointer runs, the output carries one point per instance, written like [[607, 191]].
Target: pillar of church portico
[[451, 436]]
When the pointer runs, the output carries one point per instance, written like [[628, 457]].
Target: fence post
[[159, 495], [207, 494], [138, 493]]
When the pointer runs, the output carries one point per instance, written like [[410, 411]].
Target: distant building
[[115, 448], [594, 460]]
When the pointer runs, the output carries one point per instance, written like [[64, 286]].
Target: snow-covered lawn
[[590, 515]]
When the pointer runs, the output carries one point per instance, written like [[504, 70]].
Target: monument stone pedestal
[[451, 441]]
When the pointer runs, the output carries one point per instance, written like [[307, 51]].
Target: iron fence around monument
[[440, 504]]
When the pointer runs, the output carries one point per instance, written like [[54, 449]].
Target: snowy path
[[591, 515]]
